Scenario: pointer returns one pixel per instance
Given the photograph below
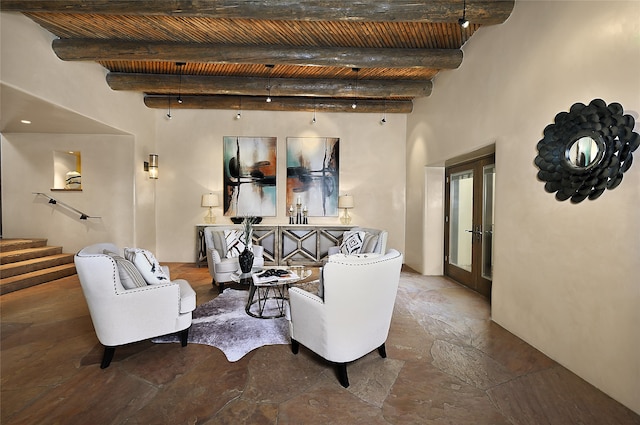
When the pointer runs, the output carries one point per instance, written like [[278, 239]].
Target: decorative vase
[[73, 180], [246, 260]]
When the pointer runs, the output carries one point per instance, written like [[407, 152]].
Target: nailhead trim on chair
[[128, 291]]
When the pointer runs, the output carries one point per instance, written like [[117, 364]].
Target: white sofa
[[220, 267], [121, 316], [354, 314]]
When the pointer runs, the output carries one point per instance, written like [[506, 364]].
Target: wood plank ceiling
[[304, 55]]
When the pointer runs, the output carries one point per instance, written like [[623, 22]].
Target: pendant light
[[463, 22], [180, 65], [354, 105], [269, 83]]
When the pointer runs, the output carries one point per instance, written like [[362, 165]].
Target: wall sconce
[[152, 166], [346, 202], [210, 200]]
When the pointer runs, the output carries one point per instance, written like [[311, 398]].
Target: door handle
[[477, 232]]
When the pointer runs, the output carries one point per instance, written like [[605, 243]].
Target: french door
[[469, 199]]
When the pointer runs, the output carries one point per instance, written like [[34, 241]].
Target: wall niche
[[67, 171]]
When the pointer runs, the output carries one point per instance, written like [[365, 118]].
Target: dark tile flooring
[[447, 363]]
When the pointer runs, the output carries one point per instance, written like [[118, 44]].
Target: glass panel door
[[461, 219], [488, 198], [470, 194]]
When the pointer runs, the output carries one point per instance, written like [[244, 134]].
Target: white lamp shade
[[345, 201], [210, 200]]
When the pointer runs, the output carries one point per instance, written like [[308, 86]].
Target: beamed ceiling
[[305, 55]]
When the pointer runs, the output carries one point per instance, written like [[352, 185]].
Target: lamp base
[[210, 218], [345, 218]]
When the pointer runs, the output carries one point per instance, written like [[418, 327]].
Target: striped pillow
[[130, 277]]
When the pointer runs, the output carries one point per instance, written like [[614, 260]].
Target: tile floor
[[447, 363]]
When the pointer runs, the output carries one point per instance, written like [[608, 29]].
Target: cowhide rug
[[223, 323]]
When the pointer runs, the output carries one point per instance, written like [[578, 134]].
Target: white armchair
[[121, 316], [354, 315], [220, 267], [372, 241]]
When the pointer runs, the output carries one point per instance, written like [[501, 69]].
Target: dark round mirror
[[585, 151]]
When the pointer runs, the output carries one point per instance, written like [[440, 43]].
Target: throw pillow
[[147, 265], [130, 277], [352, 242], [235, 246], [369, 243]]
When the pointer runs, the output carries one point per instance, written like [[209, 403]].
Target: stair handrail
[[53, 201]]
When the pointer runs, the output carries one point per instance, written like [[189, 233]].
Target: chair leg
[[342, 374], [184, 336], [295, 346], [107, 357], [383, 351]]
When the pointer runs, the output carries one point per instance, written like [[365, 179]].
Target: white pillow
[[147, 265], [233, 239], [352, 242], [130, 277]]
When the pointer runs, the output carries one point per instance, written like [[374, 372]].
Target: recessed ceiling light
[[25, 121]]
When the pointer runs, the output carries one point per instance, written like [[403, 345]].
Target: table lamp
[[346, 202], [210, 200]]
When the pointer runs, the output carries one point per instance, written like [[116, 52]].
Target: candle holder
[[290, 214], [299, 211]]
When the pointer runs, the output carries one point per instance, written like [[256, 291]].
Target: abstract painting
[[250, 176], [313, 174]]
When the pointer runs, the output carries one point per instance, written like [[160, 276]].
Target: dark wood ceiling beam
[[117, 50], [213, 85], [245, 103], [484, 12]]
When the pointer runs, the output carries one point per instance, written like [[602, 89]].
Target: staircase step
[[21, 243], [37, 277], [27, 266], [7, 257]]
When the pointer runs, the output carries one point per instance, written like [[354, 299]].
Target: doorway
[[469, 223]]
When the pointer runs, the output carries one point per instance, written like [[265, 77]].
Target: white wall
[[372, 168], [107, 189], [29, 64], [566, 276]]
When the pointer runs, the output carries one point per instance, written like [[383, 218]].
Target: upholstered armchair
[[362, 240], [222, 264], [354, 314], [120, 315]]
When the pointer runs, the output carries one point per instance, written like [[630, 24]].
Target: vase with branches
[[246, 257]]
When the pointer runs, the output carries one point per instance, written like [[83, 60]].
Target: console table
[[288, 244]]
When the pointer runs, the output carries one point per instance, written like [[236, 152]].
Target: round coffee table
[[268, 295]]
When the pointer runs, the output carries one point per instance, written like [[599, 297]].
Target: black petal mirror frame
[[611, 138]]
